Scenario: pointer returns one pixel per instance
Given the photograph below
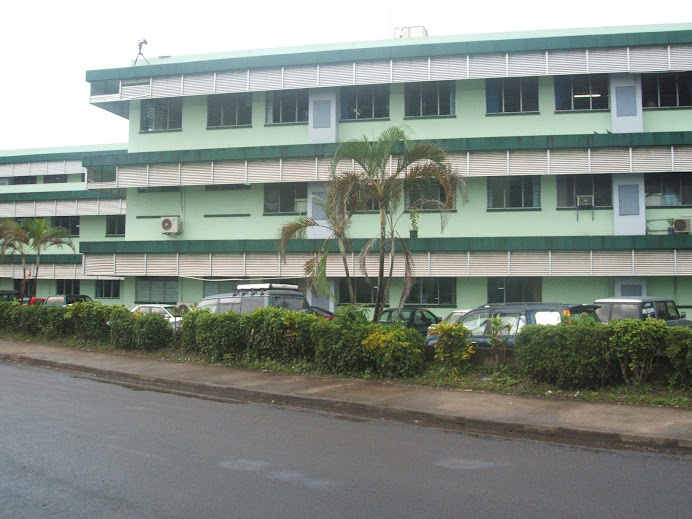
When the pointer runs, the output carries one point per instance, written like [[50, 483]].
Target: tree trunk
[[380, 275], [349, 281]]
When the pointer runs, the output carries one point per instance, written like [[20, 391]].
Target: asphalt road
[[74, 448]]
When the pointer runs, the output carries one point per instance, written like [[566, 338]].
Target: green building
[[575, 146]]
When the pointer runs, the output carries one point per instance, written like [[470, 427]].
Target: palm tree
[[15, 240], [339, 206], [41, 237], [387, 165]]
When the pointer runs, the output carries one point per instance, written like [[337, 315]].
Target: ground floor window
[[107, 289], [515, 290], [66, 286], [433, 292], [156, 289], [365, 289]]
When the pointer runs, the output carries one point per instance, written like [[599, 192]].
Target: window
[[16, 181], [422, 192], [511, 95], [55, 179], [583, 92], [433, 292], [115, 225], [287, 197], [155, 289], [520, 192], [226, 187], [66, 286], [107, 289], [429, 99], [211, 288], [514, 290], [668, 189], [105, 87], [161, 114], [101, 174], [365, 102], [365, 291], [569, 187], [71, 223], [159, 189], [667, 90], [229, 110], [287, 106]]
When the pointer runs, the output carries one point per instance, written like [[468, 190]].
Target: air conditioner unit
[[682, 225], [171, 225], [585, 201]]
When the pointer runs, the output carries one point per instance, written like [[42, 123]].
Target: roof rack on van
[[267, 286]]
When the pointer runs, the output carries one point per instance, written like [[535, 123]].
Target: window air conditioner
[[682, 225], [585, 201], [171, 225]]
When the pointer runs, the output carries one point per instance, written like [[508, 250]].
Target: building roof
[[406, 48], [62, 153]]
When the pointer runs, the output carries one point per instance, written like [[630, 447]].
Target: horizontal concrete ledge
[[582, 436]]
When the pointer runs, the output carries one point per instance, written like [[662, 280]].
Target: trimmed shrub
[[277, 334], [339, 347], [188, 327], [56, 323], [396, 351], [30, 320], [679, 352], [9, 315], [634, 344], [567, 355], [451, 346], [152, 332], [122, 328], [90, 321], [218, 336]]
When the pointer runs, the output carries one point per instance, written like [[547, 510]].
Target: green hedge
[[152, 332], [679, 353], [122, 328], [218, 336], [395, 351]]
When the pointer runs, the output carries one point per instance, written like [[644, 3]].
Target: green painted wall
[[667, 119], [470, 121]]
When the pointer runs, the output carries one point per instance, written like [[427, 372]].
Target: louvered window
[[71, 223], [425, 194], [569, 187], [514, 290], [667, 90], [229, 110], [66, 286], [156, 289], [581, 92], [520, 192], [365, 102], [287, 197], [161, 114], [433, 292], [287, 106], [365, 291], [429, 99], [107, 288], [101, 174], [668, 189], [115, 225], [511, 95]]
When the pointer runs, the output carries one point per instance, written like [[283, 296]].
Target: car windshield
[[476, 322], [454, 317]]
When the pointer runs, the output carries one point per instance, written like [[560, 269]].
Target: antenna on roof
[[140, 43]]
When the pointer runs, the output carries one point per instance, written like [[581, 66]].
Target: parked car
[[247, 298], [641, 308], [418, 318], [9, 295], [516, 315], [169, 312], [67, 299], [32, 301]]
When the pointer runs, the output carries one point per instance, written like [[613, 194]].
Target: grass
[[506, 380]]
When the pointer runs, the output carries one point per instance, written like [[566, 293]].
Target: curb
[[516, 430]]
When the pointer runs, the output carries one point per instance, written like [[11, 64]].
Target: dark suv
[[641, 308], [247, 298], [516, 315]]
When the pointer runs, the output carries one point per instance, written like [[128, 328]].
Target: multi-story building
[[575, 147]]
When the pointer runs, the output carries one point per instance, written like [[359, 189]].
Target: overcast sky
[[48, 46]]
